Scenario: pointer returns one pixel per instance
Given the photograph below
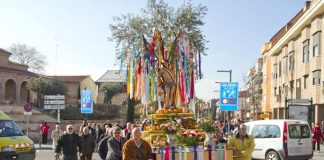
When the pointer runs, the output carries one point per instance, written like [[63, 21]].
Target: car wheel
[[272, 155]]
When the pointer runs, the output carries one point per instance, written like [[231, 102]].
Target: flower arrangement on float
[[189, 138], [207, 125]]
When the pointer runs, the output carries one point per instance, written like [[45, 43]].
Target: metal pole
[[286, 108], [311, 111], [27, 125], [58, 116]]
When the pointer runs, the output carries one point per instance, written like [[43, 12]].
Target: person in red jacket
[[44, 132], [317, 136]]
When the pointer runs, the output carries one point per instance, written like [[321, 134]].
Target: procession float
[[163, 79]]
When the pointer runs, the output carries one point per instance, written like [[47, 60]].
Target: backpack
[[103, 148]]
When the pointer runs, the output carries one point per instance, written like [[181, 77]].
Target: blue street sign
[[86, 101], [228, 96]]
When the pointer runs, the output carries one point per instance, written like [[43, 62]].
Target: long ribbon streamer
[[180, 152], [225, 151], [162, 153], [186, 153], [209, 152], [213, 153], [220, 152], [173, 153], [201, 152], [167, 153], [195, 152]]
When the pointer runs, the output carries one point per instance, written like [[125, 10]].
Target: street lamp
[[230, 79]]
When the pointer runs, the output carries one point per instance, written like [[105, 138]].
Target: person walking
[[103, 145], [137, 148], [87, 145], [115, 144], [242, 143], [317, 136], [56, 133], [44, 132], [70, 143]]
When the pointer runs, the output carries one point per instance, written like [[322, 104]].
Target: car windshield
[[299, 131], [9, 128]]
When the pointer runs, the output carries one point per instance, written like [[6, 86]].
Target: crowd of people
[[114, 141], [111, 142]]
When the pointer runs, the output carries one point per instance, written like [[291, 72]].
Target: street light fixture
[[230, 79]]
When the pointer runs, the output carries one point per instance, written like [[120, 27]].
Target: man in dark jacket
[[87, 145], [115, 145], [102, 145], [70, 142]]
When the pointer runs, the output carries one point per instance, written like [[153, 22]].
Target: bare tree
[[26, 55]]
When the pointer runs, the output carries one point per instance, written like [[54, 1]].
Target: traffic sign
[[54, 102], [28, 107], [228, 96], [86, 101]]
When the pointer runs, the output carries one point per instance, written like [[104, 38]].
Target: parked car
[[281, 139]]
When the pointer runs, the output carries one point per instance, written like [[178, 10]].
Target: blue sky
[[236, 31]]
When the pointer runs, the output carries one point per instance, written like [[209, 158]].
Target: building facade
[[74, 86], [13, 80], [255, 89], [293, 62]]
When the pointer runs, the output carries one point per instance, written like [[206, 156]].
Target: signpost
[[55, 102], [28, 111], [228, 96], [86, 102]]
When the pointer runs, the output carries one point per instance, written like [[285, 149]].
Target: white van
[[281, 139]]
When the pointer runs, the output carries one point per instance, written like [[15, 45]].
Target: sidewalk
[[44, 147]]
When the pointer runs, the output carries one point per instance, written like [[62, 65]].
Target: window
[[305, 81], [275, 91], [9, 128], [266, 131], [264, 60], [316, 43], [285, 65], [297, 131], [317, 77], [291, 60], [275, 70], [279, 68], [306, 51]]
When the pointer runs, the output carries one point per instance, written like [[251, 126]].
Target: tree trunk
[[130, 110]]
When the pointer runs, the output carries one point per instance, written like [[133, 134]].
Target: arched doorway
[[24, 92], [10, 90]]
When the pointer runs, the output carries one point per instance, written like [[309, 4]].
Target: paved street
[[46, 153]]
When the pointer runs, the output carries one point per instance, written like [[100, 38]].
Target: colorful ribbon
[[180, 152], [195, 153], [167, 153], [213, 153], [201, 152], [220, 152], [209, 152], [162, 153], [225, 151], [173, 153], [186, 153]]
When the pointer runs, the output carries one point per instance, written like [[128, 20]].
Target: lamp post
[[230, 79]]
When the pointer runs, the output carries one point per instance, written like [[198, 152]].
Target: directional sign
[[54, 102], [228, 96], [86, 101]]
